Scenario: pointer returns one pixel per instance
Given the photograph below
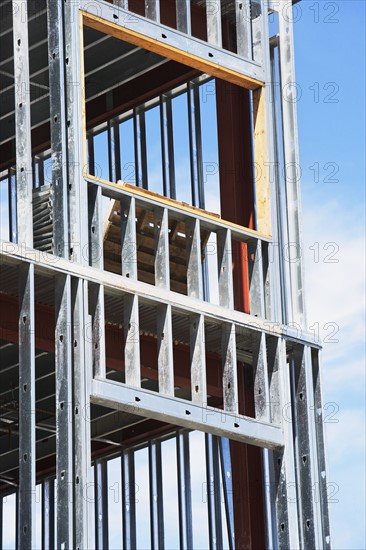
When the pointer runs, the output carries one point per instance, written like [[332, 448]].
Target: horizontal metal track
[[47, 263], [185, 414], [108, 17]]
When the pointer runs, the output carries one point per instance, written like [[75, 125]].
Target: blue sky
[[330, 70]]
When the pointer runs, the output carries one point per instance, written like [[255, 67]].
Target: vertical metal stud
[[183, 10], [291, 159], [195, 145], [229, 367], [323, 483], [82, 459], [243, 29], [128, 238], [167, 146], [128, 500], [198, 360], [101, 505], [213, 491], [77, 190], [305, 454], [48, 514], [64, 417], [132, 340], [194, 262], [152, 10], [227, 483], [140, 148], [225, 269], [156, 496], [27, 409], [213, 14], [165, 349], [58, 126], [114, 151], [257, 20], [184, 491], [22, 125]]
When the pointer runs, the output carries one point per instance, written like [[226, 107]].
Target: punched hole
[[188, 412], [62, 405], [77, 480], [19, 41], [25, 457], [210, 54], [25, 387], [115, 16], [236, 425], [301, 396], [137, 399], [24, 319], [164, 36], [304, 459], [61, 338], [196, 388], [282, 526], [308, 524]]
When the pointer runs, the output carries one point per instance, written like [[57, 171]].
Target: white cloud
[[336, 294]]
